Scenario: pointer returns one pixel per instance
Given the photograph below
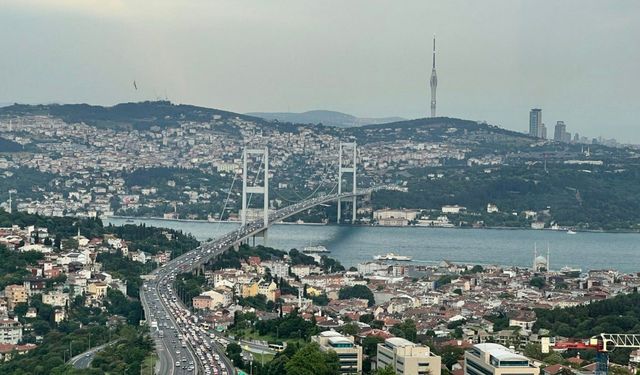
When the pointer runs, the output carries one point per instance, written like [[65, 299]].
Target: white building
[[278, 269], [408, 358], [349, 354], [10, 331], [453, 209], [495, 359]]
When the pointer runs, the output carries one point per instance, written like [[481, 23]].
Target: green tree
[[357, 291], [537, 282], [350, 329], [310, 360], [385, 371]]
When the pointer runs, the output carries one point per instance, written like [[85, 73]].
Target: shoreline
[[616, 231]]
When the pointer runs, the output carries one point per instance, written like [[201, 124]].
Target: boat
[[392, 256], [571, 231], [130, 221], [315, 249], [567, 269]]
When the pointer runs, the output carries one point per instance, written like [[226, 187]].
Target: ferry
[[315, 249], [392, 256]]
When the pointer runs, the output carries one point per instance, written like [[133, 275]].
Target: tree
[[533, 351], [370, 345], [406, 329], [357, 291], [350, 329], [537, 282], [385, 371], [310, 360], [553, 359]]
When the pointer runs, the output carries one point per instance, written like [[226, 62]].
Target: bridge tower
[[264, 189], [347, 147]]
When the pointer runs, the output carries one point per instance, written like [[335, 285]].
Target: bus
[[277, 347]]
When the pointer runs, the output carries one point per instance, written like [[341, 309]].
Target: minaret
[[548, 254], [434, 80]]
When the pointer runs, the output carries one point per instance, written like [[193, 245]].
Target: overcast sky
[[577, 60]]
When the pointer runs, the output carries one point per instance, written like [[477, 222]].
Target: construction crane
[[602, 344]]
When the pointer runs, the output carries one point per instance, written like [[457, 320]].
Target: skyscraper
[[558, 134], [535, 122], [434, 80]]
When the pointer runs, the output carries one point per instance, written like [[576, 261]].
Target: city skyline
[[288, 59]]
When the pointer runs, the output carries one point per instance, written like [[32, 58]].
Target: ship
[[315, 249], [392, 256]]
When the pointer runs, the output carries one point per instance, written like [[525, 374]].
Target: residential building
[[408, 358], [495, 359], [15, 294], [349, 354], [10, 331]]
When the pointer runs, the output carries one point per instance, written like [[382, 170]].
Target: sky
[[578, 60]]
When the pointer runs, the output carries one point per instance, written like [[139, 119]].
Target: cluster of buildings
[[560, 134], [89, 163], [57, 278], [453, 303]]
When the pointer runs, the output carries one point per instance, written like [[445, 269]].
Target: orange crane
[[602, 344]]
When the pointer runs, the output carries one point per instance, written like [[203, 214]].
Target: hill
[[140, 115], [328, 118]]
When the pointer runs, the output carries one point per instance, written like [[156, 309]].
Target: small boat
[[129, 221], [571, 231], [315, 249], [392, 256]]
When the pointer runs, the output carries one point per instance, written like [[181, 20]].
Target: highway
[[83, 360], [184, 347]]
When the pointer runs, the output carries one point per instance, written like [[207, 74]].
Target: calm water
[[352, 245]]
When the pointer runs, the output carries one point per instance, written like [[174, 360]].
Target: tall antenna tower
[[434, 80]]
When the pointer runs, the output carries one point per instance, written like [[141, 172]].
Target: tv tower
[[434, 80]]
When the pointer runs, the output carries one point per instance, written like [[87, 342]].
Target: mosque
[[540, 263]]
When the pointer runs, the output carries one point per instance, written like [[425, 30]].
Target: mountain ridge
[[325, 117]]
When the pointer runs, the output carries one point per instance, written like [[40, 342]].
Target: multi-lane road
[[184, 347]]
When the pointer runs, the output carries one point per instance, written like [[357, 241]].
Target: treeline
[[153, 240], [620, 314], [126, 355], [293, 360], [596, 198]]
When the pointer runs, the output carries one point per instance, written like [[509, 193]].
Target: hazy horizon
[[496, 60]]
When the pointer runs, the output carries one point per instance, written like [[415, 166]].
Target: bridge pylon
[[264, 189], [352, 149]]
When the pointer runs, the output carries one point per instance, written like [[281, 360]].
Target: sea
[[507, 247]]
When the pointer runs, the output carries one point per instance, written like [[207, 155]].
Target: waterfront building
[[349, 354], [408, 358], [495, 359]]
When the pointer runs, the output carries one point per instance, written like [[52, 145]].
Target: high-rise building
[[495, 359], [407, 358], [434, 80], [542, 131], [535, 122], [349, 354], [560, 130]]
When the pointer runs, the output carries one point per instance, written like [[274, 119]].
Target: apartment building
[[408, 358], [349, 354], [495, 359]]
